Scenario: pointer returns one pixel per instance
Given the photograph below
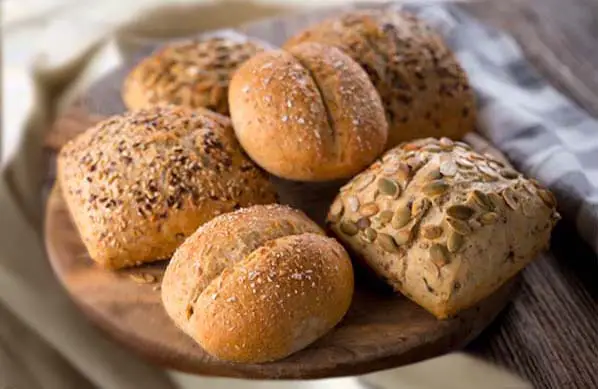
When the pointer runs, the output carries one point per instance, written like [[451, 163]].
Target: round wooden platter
[[381, 329]]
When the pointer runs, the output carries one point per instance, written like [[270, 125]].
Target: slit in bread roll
[[258, 284], [443, 224], [138, 184], [424, 90], [307, 114]]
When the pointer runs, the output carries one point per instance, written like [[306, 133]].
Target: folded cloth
[[544, 134]]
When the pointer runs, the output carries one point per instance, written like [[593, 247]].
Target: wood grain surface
[[548, 334]]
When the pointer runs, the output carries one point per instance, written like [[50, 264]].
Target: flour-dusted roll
[[193, 73], [258, 284], [138, 184], [424, 89], [443, 224], [307, 114]]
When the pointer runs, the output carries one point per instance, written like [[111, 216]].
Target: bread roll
[[424, 90], [309, 114], [193, 73], [443, 224], [138, 184], [258, 284]]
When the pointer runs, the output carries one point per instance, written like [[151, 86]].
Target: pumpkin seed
[[416, 163], [448, 168], [369, 235], [511, 198], [454, 242], [459, 226], [369, 209], [336, 211], [388, 187], [493, 159], [353, 203], [435, 188], [509, 173], [434, 174], [488, 171], [481, 199], [403, 236], [385, 217], [446, 143], [401, 217], [432, 149], [439, 255], [488, 218], [387, 243], [421, 206], [403, 173], [363, 181], [460, 211], [473, 156], [496, 200], [363, 223], [465, 164], [349, 228], [547, 197], [431, 231], [529, 187], [411, 146], [463, 145]]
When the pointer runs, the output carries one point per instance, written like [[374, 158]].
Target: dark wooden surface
[[549, 333]]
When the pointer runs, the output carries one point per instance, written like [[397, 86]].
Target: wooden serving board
[[381, 329]]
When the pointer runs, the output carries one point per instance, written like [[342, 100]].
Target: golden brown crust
[[138, 184], [424, 90], [443, 224], [258, 284], [192, 73], [309, 114]]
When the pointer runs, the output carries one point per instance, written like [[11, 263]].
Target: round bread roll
[[138, 184], [258, 284], [192, 73], [443, 224], [424, 90], [309, 114]]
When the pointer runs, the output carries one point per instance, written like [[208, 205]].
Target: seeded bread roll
[[192, 73], [443, 224], [424, 90], [258, 284], [138, 184], [309, 114]]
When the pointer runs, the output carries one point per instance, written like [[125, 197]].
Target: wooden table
[[549, 334]]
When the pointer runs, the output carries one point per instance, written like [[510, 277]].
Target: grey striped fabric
[[544, 134]]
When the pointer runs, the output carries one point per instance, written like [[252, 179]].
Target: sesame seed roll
[[138, 184]]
